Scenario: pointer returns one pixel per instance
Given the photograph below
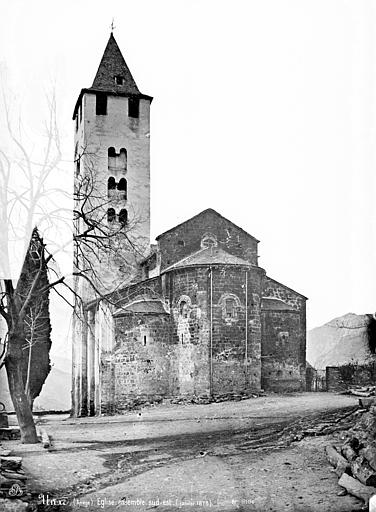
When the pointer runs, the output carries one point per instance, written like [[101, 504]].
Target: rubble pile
[[365, 391], [137, 403], [12, 483], [334, 422], [354, 459], [225, 397]]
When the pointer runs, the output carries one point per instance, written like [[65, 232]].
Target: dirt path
[[219, 457]]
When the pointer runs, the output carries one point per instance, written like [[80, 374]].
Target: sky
[[264, 111]]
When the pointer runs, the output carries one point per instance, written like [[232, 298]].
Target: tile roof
[[209, 256]]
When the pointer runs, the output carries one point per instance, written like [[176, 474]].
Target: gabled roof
[[287, 288], [208, 210], [112, 65], [208, 256]]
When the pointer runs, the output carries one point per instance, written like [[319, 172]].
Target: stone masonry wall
[[340, 378], [144, 359], [282, 367], [94, 136], [187, 291], [285, 371], [210, 341], [236, 356], [185, 239]]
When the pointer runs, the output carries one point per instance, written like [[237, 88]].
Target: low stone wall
[[340, 378]]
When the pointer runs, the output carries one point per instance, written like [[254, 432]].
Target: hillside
[[55, 394], [338, 342]]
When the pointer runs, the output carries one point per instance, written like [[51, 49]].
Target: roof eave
[[125, 313], [288, 288], [91, 90], [196, 265]]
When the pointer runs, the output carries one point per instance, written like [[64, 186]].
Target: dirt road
[[221, 457]]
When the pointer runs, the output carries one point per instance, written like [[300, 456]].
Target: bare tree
[[38, 342], [31, 322], [28, 196]]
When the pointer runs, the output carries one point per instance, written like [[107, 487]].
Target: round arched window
[[111, 215], [123, 217]]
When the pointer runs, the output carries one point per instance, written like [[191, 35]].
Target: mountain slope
[[55, 394], [338, 342]]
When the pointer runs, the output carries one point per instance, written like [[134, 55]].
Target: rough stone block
[[11, 463]]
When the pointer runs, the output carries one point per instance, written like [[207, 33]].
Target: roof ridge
[[201, 213]]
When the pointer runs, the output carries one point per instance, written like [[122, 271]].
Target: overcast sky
[[263, 110]]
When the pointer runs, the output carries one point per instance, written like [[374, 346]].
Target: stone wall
[[145, 365], [195, 349], [283, 368], [272, 288], [340, 378], [93, 138], [237, 339], [187, 292], [284, 338], [185, 239]]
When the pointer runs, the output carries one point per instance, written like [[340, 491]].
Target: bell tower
[[111, 209], [112, 176]]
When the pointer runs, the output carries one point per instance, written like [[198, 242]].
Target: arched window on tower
[[111, 186], [123, 217], [111, 159], [111, 215], [117, 161], [122, 187], [122, 160]]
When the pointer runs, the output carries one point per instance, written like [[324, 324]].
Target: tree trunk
[[21, 404], [27, 385]]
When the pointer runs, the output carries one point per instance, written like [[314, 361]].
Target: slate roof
[[287, 287], [208, 256], [111, 65], [146, 306]]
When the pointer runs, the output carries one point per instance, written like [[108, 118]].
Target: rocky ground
[[263, 454]]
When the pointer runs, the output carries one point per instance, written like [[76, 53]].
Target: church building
[[192, 316]]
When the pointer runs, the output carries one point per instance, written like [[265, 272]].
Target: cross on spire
[[112, 25]]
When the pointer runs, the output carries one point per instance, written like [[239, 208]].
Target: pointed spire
[[113, 74]]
